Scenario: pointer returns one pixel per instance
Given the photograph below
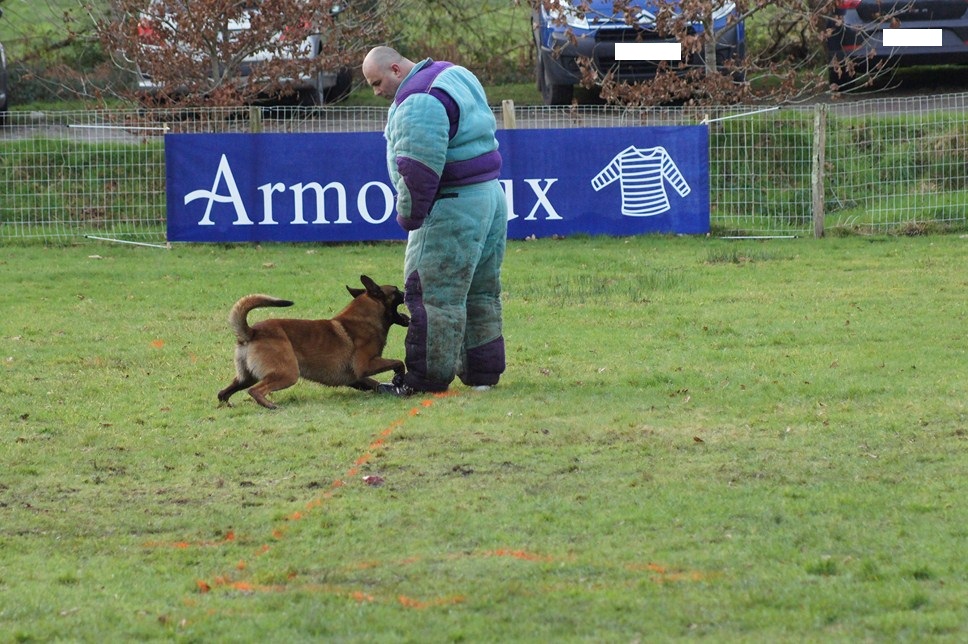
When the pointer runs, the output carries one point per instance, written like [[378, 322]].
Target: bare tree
[[230, 52], [784, 61]]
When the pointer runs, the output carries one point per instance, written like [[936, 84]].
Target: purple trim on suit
[[477, 170], [416, 340], [422, 183], [421, 80], [420, 83], [453, 110], [488, 364]]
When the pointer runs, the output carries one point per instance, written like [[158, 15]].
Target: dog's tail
[[237, 318]]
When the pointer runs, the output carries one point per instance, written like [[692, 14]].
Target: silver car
[[157, 25]]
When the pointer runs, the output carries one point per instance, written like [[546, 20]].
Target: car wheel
[[558, 94], [539, 77], [314, 96], [339, 91], [309, 97], [552, 93]]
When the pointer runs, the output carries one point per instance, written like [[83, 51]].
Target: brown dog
[[346, 350]]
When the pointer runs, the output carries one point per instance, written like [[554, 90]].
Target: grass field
[[27, 23], [737, 440]]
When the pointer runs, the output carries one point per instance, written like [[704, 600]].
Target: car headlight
[[724, 10], [567, 11]]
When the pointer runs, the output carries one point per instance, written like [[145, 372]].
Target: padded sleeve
[[418, 135]]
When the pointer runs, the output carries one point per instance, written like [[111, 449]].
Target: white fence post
[[817, 168], [510, 118]]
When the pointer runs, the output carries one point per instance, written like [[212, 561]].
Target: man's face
[[384, 80]]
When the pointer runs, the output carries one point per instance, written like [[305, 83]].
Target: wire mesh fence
[[877, 165]]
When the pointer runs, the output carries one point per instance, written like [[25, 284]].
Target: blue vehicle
[[563, 35]]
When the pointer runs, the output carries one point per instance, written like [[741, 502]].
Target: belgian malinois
[[345, 350]]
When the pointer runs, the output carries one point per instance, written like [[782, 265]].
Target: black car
[[857, 35], [159, 24]]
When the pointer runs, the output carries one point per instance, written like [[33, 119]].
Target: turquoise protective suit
[[444, 163]]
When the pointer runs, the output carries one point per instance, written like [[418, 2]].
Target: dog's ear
[[371, 286], [355, 292]]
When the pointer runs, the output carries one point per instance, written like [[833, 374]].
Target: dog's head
[[390, 296]]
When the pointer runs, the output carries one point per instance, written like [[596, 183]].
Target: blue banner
[[335, 187]]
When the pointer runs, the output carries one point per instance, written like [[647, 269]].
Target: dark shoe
[[401, 390]]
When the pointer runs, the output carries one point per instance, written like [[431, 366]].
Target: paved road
[[909, 90]]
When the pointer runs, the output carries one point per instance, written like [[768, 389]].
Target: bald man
[[444, 163]]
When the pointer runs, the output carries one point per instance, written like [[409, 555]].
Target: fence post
[[817, 168], [255, 119], [510, 118]]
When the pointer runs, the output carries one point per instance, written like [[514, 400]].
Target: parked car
[[591, 29], [156, 25], [4, 83], [857, 35]]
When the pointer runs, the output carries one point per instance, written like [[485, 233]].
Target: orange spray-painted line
[[184, 545], [280, 531], [409, 602], [518, 554]]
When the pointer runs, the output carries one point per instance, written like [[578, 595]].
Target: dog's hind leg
[[238, 384], [272, 382], [243, 377], [260, 398]]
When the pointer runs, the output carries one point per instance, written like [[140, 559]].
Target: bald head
[[384, 69]]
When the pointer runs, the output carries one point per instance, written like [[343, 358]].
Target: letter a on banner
[[234, 198]]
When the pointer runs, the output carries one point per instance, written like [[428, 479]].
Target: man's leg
[[439, 268], [483, 358]]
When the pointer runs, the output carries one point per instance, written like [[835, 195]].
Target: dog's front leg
[[377, 365], [381, 365], [365, 384]]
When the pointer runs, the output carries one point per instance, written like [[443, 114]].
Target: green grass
[[742, 441], [28, 23], [882, 171]]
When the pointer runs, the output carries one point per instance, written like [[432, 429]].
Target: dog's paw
[[402, 319]]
